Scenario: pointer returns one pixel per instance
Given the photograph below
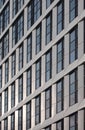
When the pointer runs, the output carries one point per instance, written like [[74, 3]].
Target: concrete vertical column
[[17, 60], [42, 107], [2, 103], [80, 6], [53, 127], [24, 85], [33, 43], [16, 92], [25, 21], [43, 70], [24, 117], [80, 38], [9, 122], [10, 10], [33, 78], [66, 51], [66, 92], [16, 120], [2, 125], [54, 61], [66, 13], [53, 100], [3, 75], [25, 52], [9, 98], [9, 68], [43, 33], [43, 6], [66, 123], [54, 23], [81, 120], [80, 83], [33, 112]]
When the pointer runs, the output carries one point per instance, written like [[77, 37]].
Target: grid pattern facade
[[42, 64]]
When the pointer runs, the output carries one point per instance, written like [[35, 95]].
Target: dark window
[[73, 122], [73, 88], [73, 9], [48, 65], [0, 126], [16, 6], [13, 63], [20, 118], [18, 30], [6, 124], [60, 16], [49, 28], [59, 125], [84, 118], [29, 81], [38, 74], [28, 116], [29, 48], [48, 128], [1, 50], [13, 95], [6, 71], [73, 45], [0, 104], [83, 37], [37, 109], [37, 9], [4, 46], [38, 39], [6, 100], [0, 77], [60, 55], [48, 103], [48, 3], [2, 3], [84, 80], [4, 19], [13, 121], [21, 57], [34, 11], [59, 96], [20, 89]]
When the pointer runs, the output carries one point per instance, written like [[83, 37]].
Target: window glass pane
[[60, 16], [73, 9], [29, 48], [73, 120], [38, 74], [48, 65], [28, 116], [48, 28], [20, 89], [48, 103], [37, 109], [29, 84], [73, 88], [73, 47], [6, 100], [59, 96], [60, 55]]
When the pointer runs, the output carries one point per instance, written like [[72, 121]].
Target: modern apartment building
[[42, 64]]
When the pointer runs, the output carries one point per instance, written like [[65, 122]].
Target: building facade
[[42, 64]]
